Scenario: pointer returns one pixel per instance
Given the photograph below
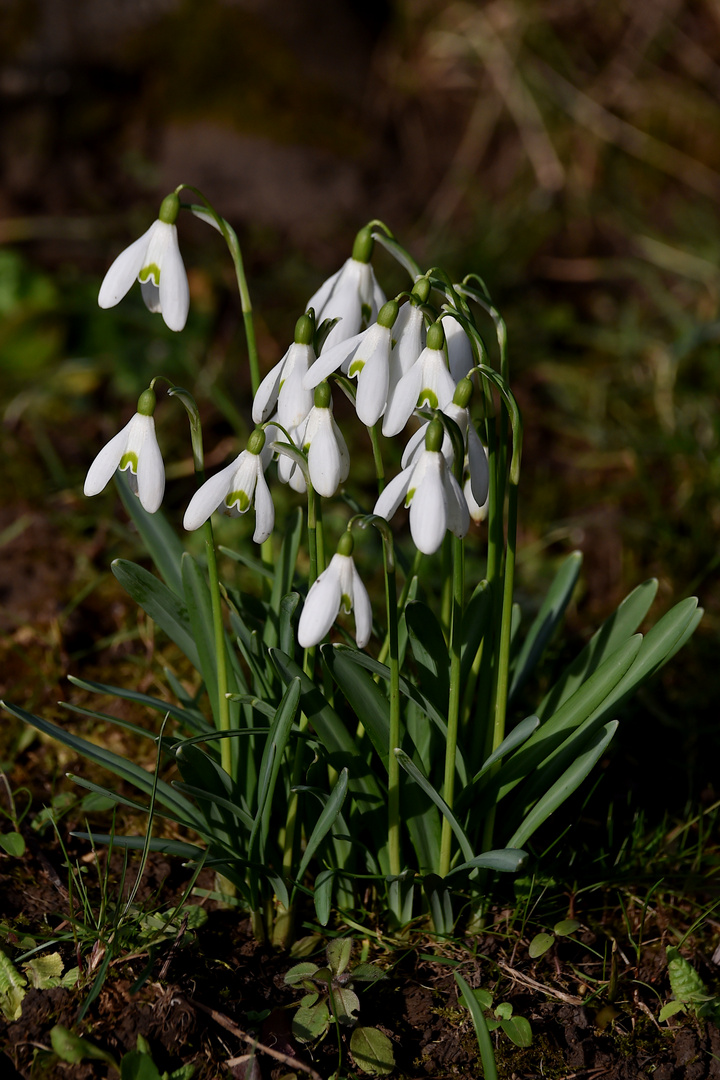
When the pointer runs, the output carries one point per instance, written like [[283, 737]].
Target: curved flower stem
[[230, 237], [312, 534], [223, 706], [454, 698]]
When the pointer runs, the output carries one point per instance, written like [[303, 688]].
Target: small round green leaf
[[309, 1024], [518, 1029], [566, 927], [540, 945], [13, 844], [372, 1051]]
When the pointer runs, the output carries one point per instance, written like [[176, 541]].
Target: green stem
[[377, 456], [394, 664], [454, 699], [312, 534]]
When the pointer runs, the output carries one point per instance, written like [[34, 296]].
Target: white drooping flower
[[433, 494], [236, 488], [283, 385], [427, 381], [155, 261], [459, 349], [351, 295], [134, 448], [338, 586], [475, 463], [328, 460], [367, 358]]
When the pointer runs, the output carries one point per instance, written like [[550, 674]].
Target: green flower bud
[[322, 396], [388, 314], [345, 544], [463, 393], [434, 435], [256, 441], [421, 289], [146, 402], [169, 209], [304, 330], [435, 336], [363, 246]]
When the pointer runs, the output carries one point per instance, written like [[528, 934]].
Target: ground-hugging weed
[[689, 991], [136, 1064], [330, 998]]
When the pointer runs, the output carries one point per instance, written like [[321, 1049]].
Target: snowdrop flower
[[283, 385], [338, 585], [328, 460], [428, 380], [134, 448], [476, 461], [433, 494], [352, 295], [236, 488], [367, 357], [459, 349], [156, 262]]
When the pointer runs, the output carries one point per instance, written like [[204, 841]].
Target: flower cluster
[[407, 359]]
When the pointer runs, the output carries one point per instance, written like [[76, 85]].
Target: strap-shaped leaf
[[430, 651], [288, 607], [284, 571], [158, 535], [440, 904], [325, 822], [546, 620], [519, 734], [364, 696], [167, 847], [159, 602], [565, 785], [322, 895], [277, 738], [616, 629], [127, 725], [506, 860], [205, 773], [190, 718], [202, 795], [481, 1029], [256, 565], [114, 763], [475, 623], [422, 781]]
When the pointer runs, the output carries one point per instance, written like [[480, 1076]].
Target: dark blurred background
[[568, 151]]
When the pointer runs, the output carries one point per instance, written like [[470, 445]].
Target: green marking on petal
[[152, 270], [356, 367], [129, 461], [346, 603], [428, 395], [366, 311], [408, 497], [239, 499]]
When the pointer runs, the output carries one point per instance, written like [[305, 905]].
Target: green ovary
[[428, 396], [129, 461], [239, 499], [152, 270]]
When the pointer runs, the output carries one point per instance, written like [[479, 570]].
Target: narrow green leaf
[[159, 537], [616, 630], [256, 565], [286, 633], [322, 895], [325, 822], [202, 795], [278, 735], [190, 718], [284, 569], [167, 847], [547, 619], [159, 602], [517, 737], [565, 785], [412, 770], [475, 623], [199, 608], [364, 696], [506, 860], [440, 903], [481, 1029], [430, 651]]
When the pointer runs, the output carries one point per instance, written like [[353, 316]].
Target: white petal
[[174, 289], [151, 296], [477, 513], [319, 299], [150, 469], [415, 446], [106, 462], [267, 393], [294, 400], [374, 379], [458, 515], [378, 296], [409, 335], [321, 607], [210, 496], [264, 510], [459, 349], [362, 609], [331, 359], [325, 459], [428, 509], [393, 494], [124, 271], [436, 378], [402, 403]]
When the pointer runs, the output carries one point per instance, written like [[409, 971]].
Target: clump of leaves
[[517, 1028], [689, 990], [42, 972], [330, 999], [135, 1065], [543, 942]]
